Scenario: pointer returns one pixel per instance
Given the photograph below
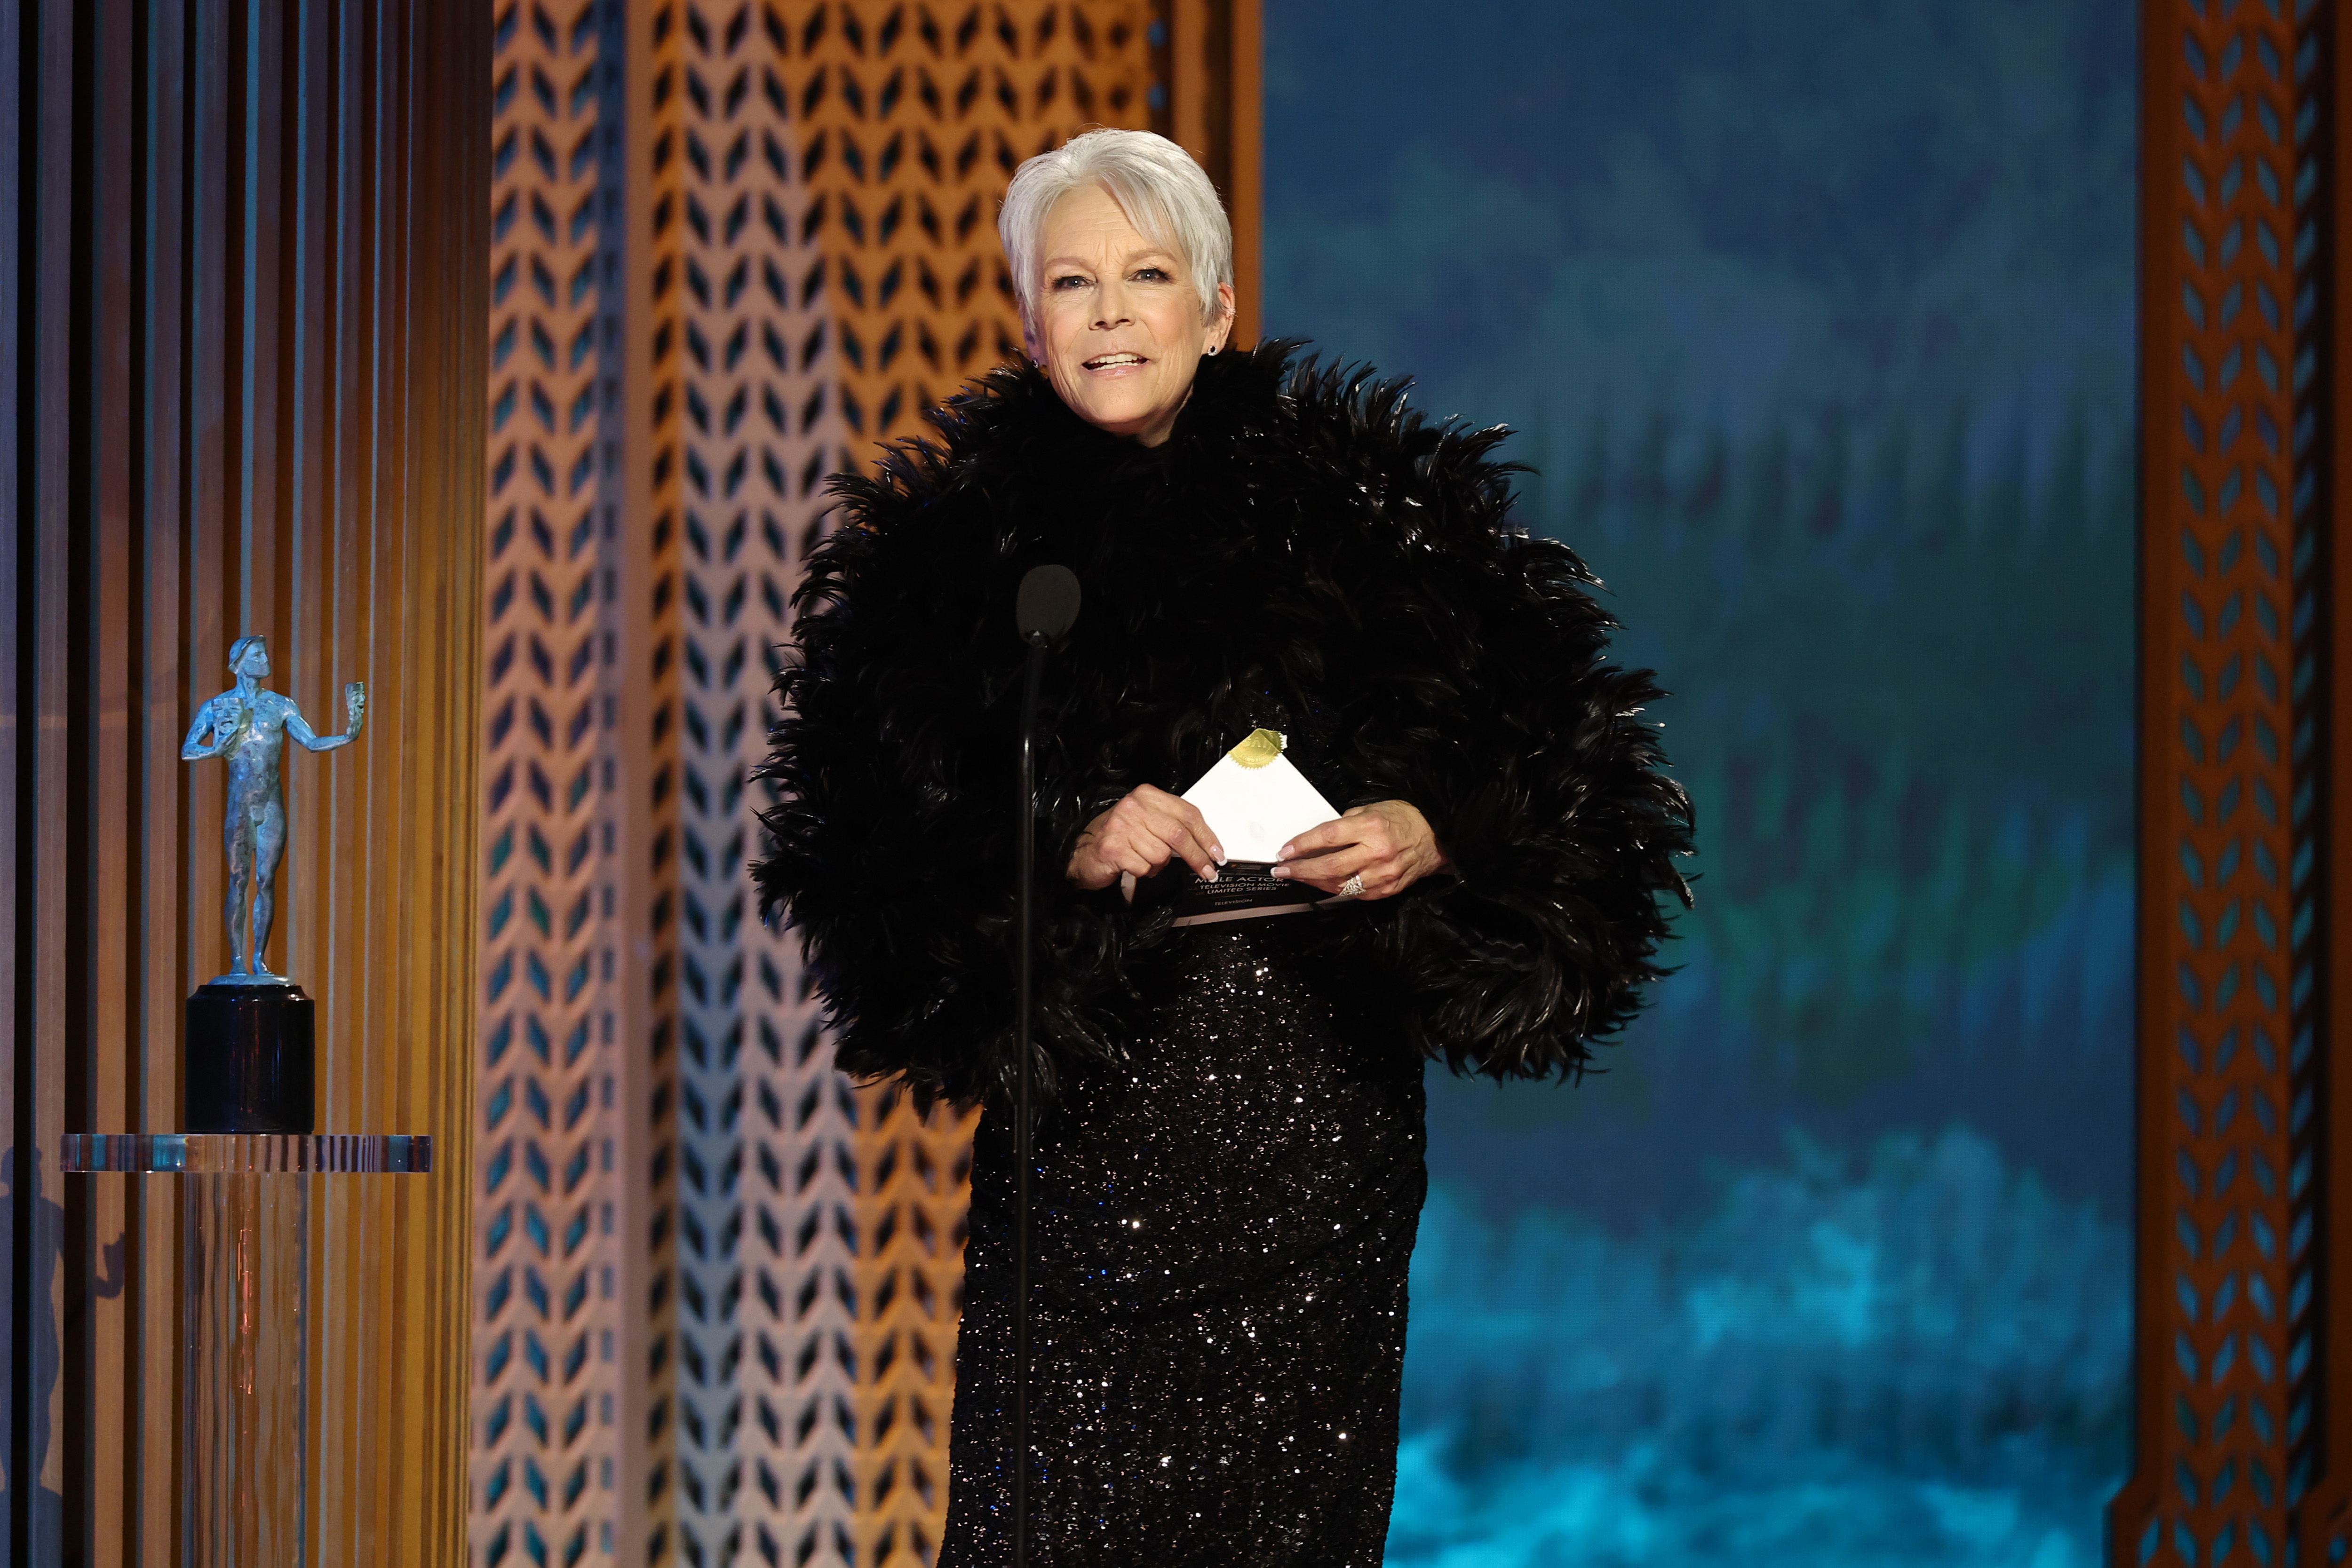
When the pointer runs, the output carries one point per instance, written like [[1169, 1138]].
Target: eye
[[1151, 274], [1068, 280]]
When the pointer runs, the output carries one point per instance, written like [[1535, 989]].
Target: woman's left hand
[[1388, 843]]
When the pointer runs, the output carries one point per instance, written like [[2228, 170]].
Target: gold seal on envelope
[[1257, 748]]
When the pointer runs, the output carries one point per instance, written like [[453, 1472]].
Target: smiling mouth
[[1114, 361]]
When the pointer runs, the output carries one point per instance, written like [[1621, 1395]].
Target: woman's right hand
[[1140, 835]]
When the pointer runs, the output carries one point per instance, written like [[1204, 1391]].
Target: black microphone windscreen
[[1048, 603]]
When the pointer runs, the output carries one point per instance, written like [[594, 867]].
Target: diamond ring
[[1352, 888]]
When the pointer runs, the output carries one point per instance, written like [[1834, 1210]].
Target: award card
[[1255, 802]]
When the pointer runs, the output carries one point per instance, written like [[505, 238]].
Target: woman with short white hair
[[1278, 563]]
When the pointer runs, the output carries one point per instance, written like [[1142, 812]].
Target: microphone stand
[[1043, 609], [1024, 924]]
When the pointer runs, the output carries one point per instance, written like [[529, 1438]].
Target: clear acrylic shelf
[[244, 1320], [248, 1154]]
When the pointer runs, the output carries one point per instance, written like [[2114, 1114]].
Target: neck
[[1157, 433]]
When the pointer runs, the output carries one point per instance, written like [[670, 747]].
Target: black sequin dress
[[1222, 1230]]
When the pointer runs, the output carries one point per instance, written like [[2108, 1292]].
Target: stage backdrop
[[1816, 319]]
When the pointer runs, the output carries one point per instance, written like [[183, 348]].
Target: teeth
[[1115, 360]]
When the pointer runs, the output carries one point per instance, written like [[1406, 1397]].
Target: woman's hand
[[1138, 836], [1389, 844]]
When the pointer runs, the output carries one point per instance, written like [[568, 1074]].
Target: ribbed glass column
[[244, 1320], [246, 1324]]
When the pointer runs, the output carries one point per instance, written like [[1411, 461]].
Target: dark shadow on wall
[[32, 1234]]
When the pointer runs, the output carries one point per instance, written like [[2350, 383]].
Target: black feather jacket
[[1303, 554]]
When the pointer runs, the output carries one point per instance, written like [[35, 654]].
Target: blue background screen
[[1815, 317]]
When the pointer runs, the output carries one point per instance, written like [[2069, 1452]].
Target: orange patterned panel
[[545, 1365], [911, 119], [2230, 808], [817, 263], [740, 244]]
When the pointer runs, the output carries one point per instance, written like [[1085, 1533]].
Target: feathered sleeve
[[1488, 701], [890, 847]]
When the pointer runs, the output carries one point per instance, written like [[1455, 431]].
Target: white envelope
[[1255, 801]]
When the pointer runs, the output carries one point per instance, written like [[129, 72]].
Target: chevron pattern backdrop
[[736, 244]]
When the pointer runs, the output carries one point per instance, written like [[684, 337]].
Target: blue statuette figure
[[248, 1065]]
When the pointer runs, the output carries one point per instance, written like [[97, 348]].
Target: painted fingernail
[[1282, 870], [1283, 853], [1210, 874], [1218, 850]]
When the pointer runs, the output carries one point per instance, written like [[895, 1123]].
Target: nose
[[1110, 305]]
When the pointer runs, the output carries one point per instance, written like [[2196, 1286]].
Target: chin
[[1123, 405], [1123, 416], [1126, 418]]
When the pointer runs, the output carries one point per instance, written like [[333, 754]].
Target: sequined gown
[[1222, 1231]]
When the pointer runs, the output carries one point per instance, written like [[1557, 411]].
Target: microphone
[[1048, 603], [1043, 611]]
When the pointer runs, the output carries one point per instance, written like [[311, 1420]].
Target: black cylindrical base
[[249, 1063]]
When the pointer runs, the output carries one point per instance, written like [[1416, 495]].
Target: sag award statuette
[[249, 1063]]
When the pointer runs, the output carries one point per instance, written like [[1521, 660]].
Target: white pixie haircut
[[1156, 184]]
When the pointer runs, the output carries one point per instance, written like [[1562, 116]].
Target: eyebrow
[[1161, 252]]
